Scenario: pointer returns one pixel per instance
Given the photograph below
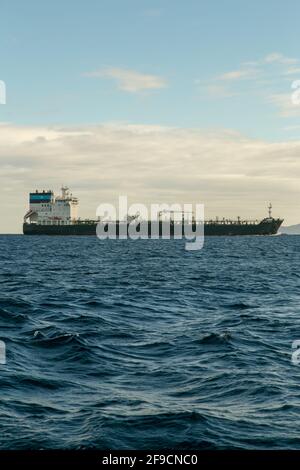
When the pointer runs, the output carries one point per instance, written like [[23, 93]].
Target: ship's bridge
[[45, 209]]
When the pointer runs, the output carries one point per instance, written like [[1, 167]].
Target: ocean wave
[[141, 345]]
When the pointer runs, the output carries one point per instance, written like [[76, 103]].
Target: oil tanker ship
[[50, 215]]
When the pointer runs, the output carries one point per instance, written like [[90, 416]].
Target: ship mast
[[270, 210], [64, 191]]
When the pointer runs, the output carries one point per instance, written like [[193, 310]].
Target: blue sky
[[48, 50], [165, 101]]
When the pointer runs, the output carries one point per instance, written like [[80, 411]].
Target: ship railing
[[179, 222], [230, 222]]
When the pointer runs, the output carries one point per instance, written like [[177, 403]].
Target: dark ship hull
[[268, 226]]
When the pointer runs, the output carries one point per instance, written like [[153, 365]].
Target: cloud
[[238, 74], [292, 128], [130, 80], [264, 78], [216, 90], [220, 86], [283, 101], [279, 58], [231, 173], [252, 69], [292, 71]]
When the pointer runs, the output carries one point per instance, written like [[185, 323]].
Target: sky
[[164, 101]]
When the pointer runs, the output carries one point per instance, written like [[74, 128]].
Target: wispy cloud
[[265, 78], [220, 86], [252, 69], [292, 128], [130, 81], [216, 90], [276, 57], [238, 75], [292, 71], [283, 102]]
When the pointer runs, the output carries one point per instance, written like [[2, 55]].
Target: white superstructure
[[46, 209]]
